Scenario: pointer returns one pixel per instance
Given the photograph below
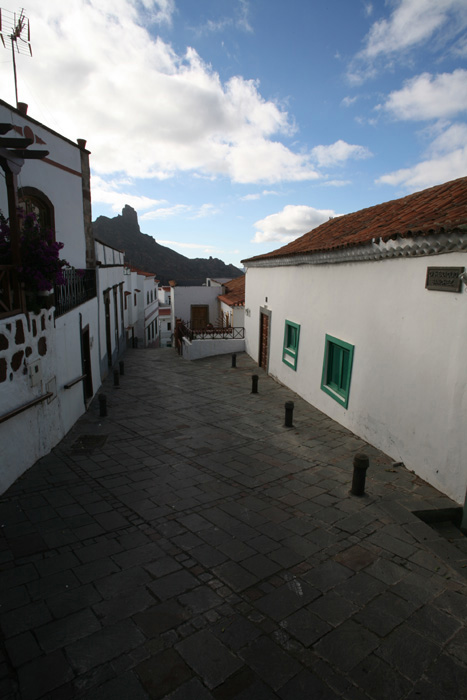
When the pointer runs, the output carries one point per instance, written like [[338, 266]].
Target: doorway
[[86, 363], [199, 317], [264, 324]]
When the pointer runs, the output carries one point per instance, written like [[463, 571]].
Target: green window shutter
[[337, 369], [291, 340]]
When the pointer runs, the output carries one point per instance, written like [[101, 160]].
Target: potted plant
[[41, 267]]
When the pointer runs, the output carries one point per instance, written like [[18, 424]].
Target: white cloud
[[338, 153], [146, 110], [165, 212], [347, 101], [290, 223], [412, 23], [258, 195], [430, 97], [110, 193], [445, 160]]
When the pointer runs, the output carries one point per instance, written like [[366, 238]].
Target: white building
[[111, 303], [366, 318], [164, 295], [49, 360], [146, 305]]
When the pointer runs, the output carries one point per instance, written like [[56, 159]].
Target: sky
[[234, 126]]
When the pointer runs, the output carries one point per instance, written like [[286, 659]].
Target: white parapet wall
[[197, 349]]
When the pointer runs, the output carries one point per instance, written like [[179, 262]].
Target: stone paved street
[[189, 546]]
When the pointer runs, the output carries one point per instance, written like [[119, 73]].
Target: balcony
[[79, 287]]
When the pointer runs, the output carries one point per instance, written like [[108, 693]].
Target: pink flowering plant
[[41, 267]]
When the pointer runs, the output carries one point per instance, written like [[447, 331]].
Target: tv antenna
[[15, 28]]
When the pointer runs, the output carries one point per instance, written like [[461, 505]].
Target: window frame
[[290, 350], [339, 391]]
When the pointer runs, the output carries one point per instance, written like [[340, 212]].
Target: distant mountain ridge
[[143, 251]]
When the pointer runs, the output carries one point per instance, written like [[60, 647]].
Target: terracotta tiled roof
[[437, 210], [142, 272], [234, 292]]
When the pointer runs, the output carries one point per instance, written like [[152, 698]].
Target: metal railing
[[10, 291], [79, 287], [237, 333]]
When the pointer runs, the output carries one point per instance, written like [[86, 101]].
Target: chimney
[[81, 143], [23, 108]]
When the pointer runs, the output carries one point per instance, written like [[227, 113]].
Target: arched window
[[33, 201]]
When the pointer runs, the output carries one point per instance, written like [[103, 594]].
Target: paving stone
[[40, 677], [160, 618], [191, 690], [287, 599], [162, 567], [408, 652], [145, 553], [126, 605], [95, 570], [305, 686], [261, 566], [104, 645], [270, 662], [22, 648], [200, 599], [236, 550], [163, 673], [332, 608], [122, 687], [385, 612], [360, 588], [449, 677], [305, 626], [236, 632], [434, 624], [209, 658], [347, 645], [122, 581], [235, 576], [173, 584], [380, 680], [208, 556], [60, 633], [71, 601], [325, 576], [25, 618]]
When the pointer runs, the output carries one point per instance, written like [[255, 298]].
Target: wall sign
[[444, 279]]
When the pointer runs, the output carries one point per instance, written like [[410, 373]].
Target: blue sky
[[234, 126]]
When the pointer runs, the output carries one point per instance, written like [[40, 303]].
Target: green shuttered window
[[337, 369], [291, 339]]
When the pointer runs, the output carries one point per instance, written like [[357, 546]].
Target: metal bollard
[[288, 414], [234, 360], [361, 463], [116, 378], [102, 405], [122, 368], [254, 384]]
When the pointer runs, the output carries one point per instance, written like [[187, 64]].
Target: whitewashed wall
[[62, 185], [408, 393], [184, 297], [197, 349], [27, 437]]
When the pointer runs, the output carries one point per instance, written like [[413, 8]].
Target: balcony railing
[[79, 288], [237, 333], [10, 292]]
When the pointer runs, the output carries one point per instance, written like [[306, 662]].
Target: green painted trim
[[290, 352], [339, 392]]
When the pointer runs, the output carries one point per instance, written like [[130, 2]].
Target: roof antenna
[[15, 28]]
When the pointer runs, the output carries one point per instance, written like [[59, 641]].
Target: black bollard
[[288, 414], [254, 384], [234, 360], [361, 463], [122, 368], [102, 405], [116, 378]]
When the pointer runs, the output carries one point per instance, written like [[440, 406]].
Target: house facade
[[49, 352], [365, 318]]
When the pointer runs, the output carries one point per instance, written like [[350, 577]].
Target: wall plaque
[[444, 279]]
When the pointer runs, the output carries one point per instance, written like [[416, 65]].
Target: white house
[[147, 324], [111, 296], [49, 357], [164, 295], [232, 303], [366, 318]]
